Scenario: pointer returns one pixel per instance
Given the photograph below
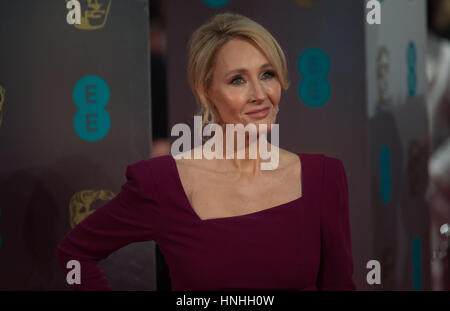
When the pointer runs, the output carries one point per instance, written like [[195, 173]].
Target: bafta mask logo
[[85, 202], [88, 14], [382, 70], [308, 3], [2, 101]]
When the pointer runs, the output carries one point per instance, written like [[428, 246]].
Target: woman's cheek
[[275, 94]]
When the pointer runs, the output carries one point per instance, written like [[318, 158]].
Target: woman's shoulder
[[150, 171], [333, 163], [333, 169], [322, 159], [322, 167], [161, 162]]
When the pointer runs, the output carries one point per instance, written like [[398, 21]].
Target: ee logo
[[216, 3], [385, 169], [411, 57], [91, 95], [314, 89], [416, 252]]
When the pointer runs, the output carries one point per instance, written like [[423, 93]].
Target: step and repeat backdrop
[[399, 143], [74, 112], [364, 104]]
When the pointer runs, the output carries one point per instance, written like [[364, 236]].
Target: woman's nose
[[257, 93]]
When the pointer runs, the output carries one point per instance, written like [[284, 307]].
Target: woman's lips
[[259, 114]]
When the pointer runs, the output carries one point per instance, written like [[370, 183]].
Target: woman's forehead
[[239, 54]]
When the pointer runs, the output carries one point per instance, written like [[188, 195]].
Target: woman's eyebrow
[[242, 70]]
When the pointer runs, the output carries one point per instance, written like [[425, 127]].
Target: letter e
[[89, 122]]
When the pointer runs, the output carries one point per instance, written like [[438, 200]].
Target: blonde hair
[[210, 37]]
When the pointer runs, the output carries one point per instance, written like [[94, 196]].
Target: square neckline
[[256, 213]]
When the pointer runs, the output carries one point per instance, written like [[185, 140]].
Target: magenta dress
[[303, 244]]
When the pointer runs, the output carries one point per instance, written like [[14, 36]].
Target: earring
[[277, 109]]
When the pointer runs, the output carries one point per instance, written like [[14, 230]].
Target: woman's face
[[244, 82]]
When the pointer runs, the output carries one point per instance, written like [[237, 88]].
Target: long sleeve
[[131, 216], [336, 265]]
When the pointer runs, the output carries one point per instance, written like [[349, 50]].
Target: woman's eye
[[268, 75], [237, 80]]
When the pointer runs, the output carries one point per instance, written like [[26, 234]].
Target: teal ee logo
[[314, 89], [216, 3], [416, 254], [385, 170], [411, 57], [91, 95], [374, 15]]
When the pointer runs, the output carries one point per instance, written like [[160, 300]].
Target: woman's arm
[[336, 266], [131, 216]]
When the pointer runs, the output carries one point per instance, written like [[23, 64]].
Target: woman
[[225, 224]]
